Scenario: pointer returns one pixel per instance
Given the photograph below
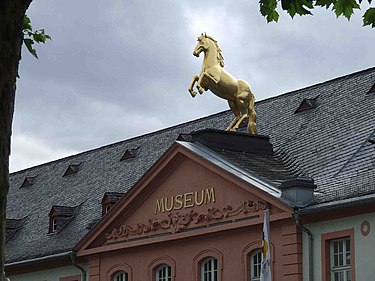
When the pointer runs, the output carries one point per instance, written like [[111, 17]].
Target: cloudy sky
[[120, 68]]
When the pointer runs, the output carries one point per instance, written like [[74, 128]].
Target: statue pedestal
[[236, 141]]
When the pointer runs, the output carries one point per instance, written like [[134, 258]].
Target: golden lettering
[[178, 200], [196, 198], [209, 195], [159, 206], [168, 209], [186, 200]]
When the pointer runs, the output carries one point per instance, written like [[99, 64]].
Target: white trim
[[38, 259]]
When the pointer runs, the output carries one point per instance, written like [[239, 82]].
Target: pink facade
[[184, 211]]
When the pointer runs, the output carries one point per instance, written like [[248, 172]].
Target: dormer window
[[12, 226], [29, 181], [130, 153], [59, 216], [72, 169], [372, 89], [307, 104], [109, 199]]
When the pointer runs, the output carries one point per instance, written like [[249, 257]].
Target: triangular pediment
[[182, 195]]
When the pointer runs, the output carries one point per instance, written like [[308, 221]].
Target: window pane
[[255, 259], [349, 275], [209, 270], [121, 276], [163, 273], [340, 260], [347, 252], [335, 260], [339, 276]]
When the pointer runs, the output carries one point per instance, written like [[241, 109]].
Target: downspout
[[74, 262], [310, 245]]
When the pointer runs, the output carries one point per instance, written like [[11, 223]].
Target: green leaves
[[30, 37], [303, 7], [268, 10], [29, 45], [326, 3], [369, 17], [345, 7], [299, 7]]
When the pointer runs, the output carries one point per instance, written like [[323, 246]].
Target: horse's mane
[[220, 57]]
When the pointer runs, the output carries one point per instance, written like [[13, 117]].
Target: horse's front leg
[[199, 83], [191, 91]]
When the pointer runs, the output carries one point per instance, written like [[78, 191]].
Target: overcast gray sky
[[119, 68]]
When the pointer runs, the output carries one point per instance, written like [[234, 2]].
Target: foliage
[[30, 37], [268, 8]]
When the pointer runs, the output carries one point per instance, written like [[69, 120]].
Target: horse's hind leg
[[251, 126], [241, 105], [236, 112]]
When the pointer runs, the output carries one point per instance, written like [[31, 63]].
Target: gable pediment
[[182, 195]]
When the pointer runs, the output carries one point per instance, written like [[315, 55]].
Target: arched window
[[163, 273], [208, 269], [120, 276], [255, 261]]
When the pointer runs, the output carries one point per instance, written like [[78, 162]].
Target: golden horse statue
[[213, 77]]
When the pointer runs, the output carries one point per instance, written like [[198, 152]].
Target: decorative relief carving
[[177, 222]]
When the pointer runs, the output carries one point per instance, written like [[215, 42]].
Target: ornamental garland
[[177, 222]]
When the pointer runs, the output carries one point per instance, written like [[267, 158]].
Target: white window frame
[[340, 259], [120, 276], [107, 208], [255, 262], [163, 273], [54, 224], [209, 269]]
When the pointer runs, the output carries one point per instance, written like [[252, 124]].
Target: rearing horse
[[213, 77]]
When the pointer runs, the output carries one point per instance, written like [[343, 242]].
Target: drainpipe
[[74, 262], [310, 245]]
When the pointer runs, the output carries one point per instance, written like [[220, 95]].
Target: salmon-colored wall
[[187, 179], [190, 177], [230, 247], [136, 239]]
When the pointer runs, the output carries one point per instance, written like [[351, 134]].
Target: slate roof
[[328, 143]]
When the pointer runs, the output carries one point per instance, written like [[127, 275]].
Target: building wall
[[364, 244], [55, 274], [162, 220], [229, 247]]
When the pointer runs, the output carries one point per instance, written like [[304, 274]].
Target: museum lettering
[[186, 200]]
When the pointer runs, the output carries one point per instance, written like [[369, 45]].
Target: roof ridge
[[346, 76]]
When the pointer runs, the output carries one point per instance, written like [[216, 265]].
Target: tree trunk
[[11, 17]]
